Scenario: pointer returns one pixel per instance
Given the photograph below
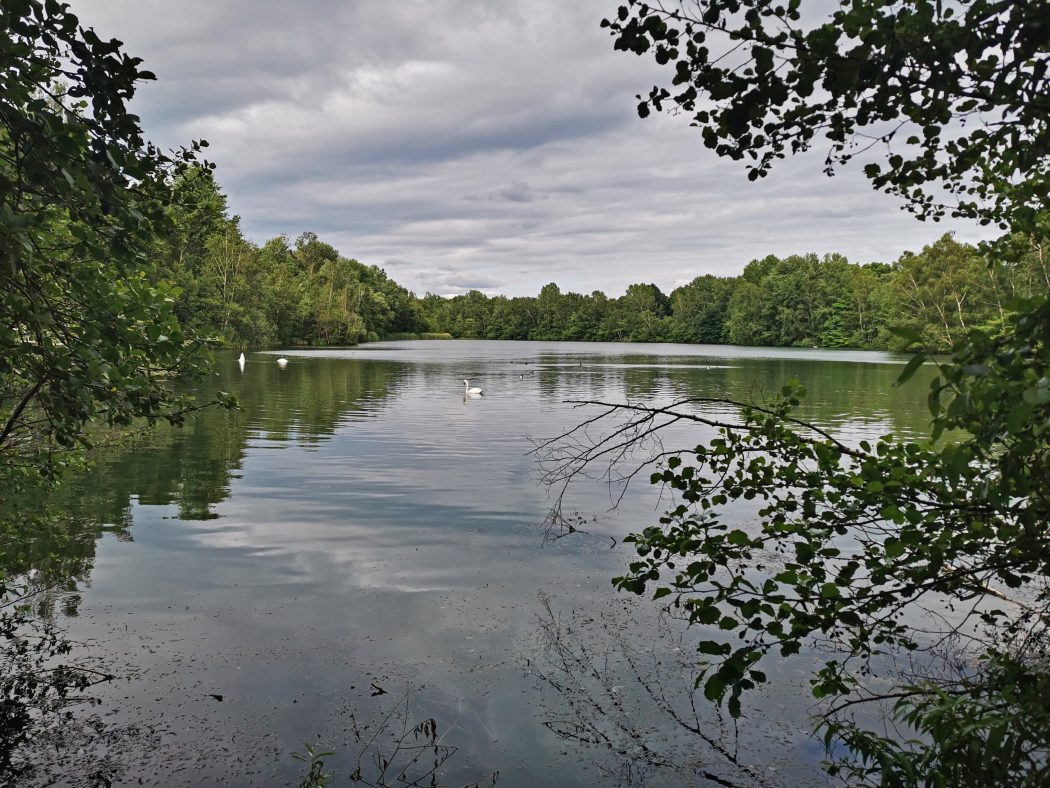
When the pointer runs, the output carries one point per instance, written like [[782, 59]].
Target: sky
[[475, 144]]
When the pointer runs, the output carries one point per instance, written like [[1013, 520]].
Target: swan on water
[[241, 359], [468, 390], [282, 362]]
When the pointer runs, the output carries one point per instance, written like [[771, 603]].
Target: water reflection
[[360, 522]]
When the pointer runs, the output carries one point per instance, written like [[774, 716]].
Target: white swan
[[282, 362], [468, 390], [241, 359]]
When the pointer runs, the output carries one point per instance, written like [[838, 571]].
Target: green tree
[[197, 212], [435, 310], [282, 293], [944, 291], [551, 313], [871, 305], [1031, 253], [468, 315], [746, 323], [851, 539], [226, 276], [794, 296], [641, 313], [585, 316], [86, 331], [700, 308], [88, 328], [511, 318]]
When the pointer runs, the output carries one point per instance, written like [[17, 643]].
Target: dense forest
[[281, 292], [939, 293], [801, 300], [306, 292]]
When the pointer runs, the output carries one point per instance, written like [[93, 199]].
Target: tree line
[[95, 224], [305, 292], [939, 293], [282, 292]]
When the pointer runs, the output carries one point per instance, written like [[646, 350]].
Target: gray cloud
[[517, 191], [465, 143], [471, 282]]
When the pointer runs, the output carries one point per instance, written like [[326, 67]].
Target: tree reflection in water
[[49, 537], [632, 701]]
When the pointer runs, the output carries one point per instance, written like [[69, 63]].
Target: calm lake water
[[361, 549]]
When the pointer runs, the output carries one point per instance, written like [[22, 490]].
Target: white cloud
[[496, 141]]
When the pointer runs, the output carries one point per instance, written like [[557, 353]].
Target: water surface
[[362, 535]]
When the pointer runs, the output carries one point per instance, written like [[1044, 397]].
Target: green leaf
[[911, 368], [830, 591], [714, 688], [733, 706], [713, 648], [738, 538]]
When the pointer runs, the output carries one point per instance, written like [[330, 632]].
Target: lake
[[361, 549]]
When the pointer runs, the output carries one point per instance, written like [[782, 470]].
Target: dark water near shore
[[363, 543]]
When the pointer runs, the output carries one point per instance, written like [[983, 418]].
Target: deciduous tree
[[85, 331], [921, 568]]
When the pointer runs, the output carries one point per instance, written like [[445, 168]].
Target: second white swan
[[468, 390]]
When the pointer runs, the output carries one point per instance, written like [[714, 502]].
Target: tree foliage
[[950, 97], [37, 683], [914, 574], [939, 292], [84, 333], [880, 550], [87, 334], [283, 292]]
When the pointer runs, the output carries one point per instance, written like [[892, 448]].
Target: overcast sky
[[475, 144]]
